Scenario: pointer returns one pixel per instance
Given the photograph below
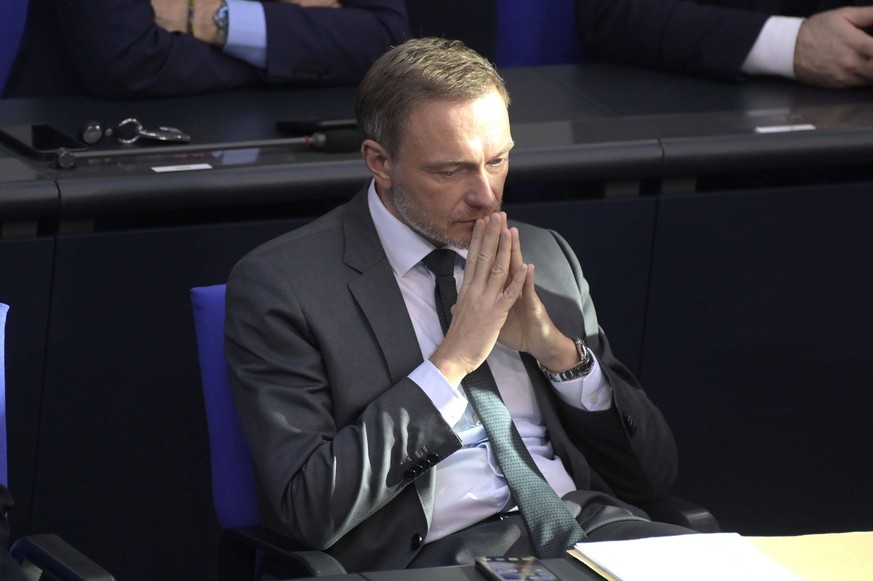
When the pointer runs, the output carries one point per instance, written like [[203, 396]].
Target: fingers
[[489, 255], [860, 16], [833, 50]]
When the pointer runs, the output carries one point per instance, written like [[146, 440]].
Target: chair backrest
[[536, 32], [12, 19], [4, 469], [233, 478]]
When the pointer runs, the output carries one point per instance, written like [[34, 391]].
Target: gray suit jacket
[[319, 345]]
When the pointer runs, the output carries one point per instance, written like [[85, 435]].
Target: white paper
[[710, 557]]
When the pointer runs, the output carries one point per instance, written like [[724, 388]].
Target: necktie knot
[[441, 262]]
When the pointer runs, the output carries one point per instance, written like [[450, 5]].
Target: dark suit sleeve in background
[[114, 49], [675, 35], [331, 46]]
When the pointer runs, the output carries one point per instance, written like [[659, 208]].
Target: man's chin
[[461, 234]]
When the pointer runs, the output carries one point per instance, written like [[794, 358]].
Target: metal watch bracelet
[[581, 369]]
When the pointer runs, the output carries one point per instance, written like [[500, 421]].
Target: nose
[[484, 190]]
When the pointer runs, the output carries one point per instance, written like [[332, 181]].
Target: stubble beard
[[424, 225]]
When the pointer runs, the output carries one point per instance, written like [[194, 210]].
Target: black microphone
[[334, 140]]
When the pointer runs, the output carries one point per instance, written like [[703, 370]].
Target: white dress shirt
[[469, 485], [773, 51], [247, 32]]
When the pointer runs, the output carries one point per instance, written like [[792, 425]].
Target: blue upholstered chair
[[246, 547], [43, 556], [536, 32], [12, 19]]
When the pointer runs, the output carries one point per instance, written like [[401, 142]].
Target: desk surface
[[566, 569], [818, 557], [571, 123]]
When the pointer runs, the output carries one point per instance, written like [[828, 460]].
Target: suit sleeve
[[119, 52], [629, 445], [322, 474], [331, 46], [675, 35]]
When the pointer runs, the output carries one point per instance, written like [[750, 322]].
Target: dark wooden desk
[[616, 130], [744, 310]]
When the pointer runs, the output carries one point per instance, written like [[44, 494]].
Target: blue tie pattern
[[551, 527]]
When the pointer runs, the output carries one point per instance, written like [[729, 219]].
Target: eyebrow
[[437, 165]]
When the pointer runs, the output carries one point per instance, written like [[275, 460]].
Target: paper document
[[713, 557]]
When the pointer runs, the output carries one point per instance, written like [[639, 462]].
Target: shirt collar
[[403, 246]]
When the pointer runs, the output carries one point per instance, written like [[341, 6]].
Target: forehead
[[480, 121]]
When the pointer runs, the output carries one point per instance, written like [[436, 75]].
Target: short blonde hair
[[417, 71]]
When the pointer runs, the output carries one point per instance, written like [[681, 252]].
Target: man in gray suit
[[349, 391]]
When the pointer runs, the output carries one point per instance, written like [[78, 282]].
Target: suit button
[[630, 424], [413, 473], [416, 541], [431, 459]]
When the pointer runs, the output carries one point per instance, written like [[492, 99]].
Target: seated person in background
[[817, 42], [347, 371], [134, 48]]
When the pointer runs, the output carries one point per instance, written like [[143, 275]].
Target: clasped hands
[[497, 302]]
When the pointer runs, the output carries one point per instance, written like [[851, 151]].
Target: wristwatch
[[581, 369], [220, 19]]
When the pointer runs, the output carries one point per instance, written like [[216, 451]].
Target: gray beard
[[423, 225]]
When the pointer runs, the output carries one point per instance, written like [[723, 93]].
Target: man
[[351, 394], [134, 48], [823, 42]]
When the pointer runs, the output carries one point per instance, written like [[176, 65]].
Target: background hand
[[171, 15], [833, 50], [314, 3]]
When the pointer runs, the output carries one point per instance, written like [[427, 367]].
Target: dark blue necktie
[[551, 527]]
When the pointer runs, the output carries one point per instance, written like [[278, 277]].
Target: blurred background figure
[[817, 42], [138, 48]]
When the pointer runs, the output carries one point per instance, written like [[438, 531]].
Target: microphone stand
[[330, 141]]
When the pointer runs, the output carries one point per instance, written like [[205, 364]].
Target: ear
[[378, 163]]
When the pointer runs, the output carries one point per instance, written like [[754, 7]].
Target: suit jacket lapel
[[381, 302], [376, 290]]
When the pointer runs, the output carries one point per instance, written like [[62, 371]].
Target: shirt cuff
[[447, 398], [773, 52], [590, 393], [247, 32]]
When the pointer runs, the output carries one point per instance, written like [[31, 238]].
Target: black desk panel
[[25, 285], [122, 470], [632, 92], [26, 194], [758, 350], [572, 124]]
